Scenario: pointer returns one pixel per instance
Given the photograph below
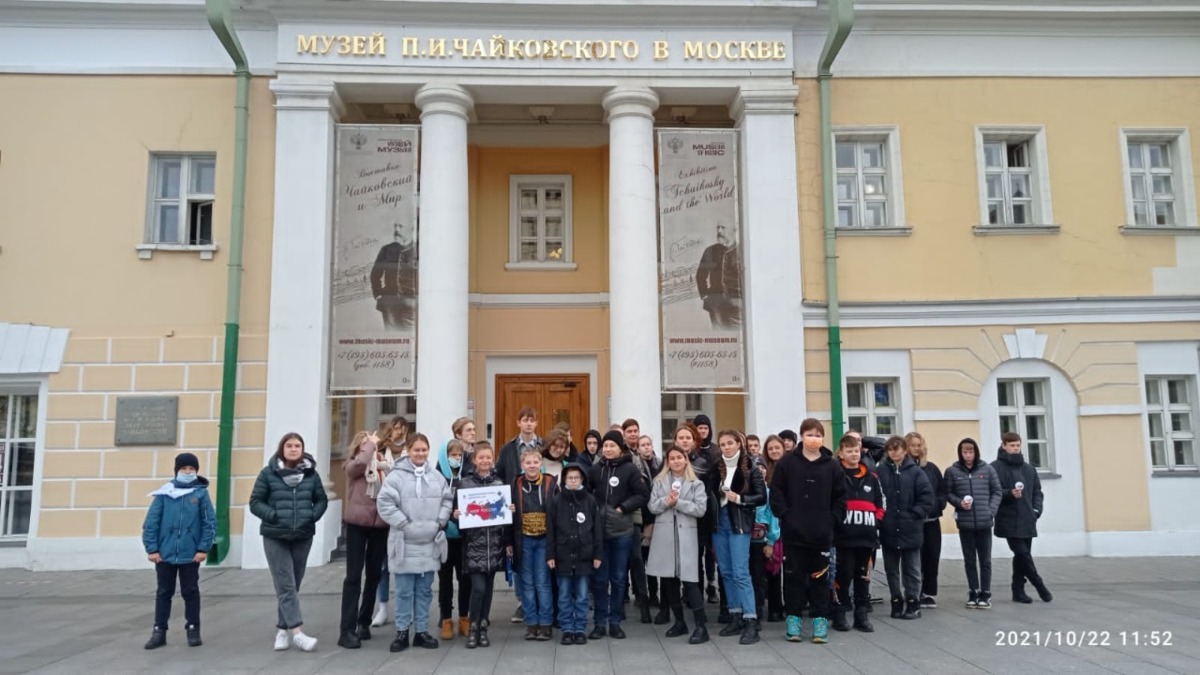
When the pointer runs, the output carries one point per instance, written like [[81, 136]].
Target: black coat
[[909, 500], [748, 483], [1017, 518], [618, 483], [483, 547], [809, 499], [575, 532], [936, 482], [288, 513], [547, 490], [865, 506], [508, 462], [981, 482]]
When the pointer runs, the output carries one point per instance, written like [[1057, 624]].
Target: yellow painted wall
[[943, 259], [490, 169], [1114, 465]]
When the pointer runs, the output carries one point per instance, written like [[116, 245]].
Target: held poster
[[701, 273], [484, 506], [374, 258]]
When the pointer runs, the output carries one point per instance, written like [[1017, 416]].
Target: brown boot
[[464, 626], [447, 629]]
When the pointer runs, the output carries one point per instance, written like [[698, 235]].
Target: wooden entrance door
[[556, 398]]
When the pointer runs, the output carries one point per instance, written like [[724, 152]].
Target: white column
[[771, 308], [298, 338], [635, 364], [443, 240]]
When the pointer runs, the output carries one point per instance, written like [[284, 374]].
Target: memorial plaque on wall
[[147, 420]]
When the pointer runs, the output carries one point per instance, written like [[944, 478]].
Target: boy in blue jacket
[[178, 532]]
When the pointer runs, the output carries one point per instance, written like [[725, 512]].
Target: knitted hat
[[616, 437], [702, 419], [186, 459], [789, 435]]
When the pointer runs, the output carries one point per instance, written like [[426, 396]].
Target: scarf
[[292, 477], [377, 470]]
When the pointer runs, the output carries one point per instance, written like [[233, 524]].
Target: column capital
[[633, 100], [775, 100], [444, 99], [313, 96]]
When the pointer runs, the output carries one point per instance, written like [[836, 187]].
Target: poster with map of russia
[[484, 506]]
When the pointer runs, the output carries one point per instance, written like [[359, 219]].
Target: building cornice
[[1008, 312]]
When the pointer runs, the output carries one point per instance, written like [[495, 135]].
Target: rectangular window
[[872, 407], [1158, 179], [1013, 178], [540, 222], [868, 189], [1025, 409], [680, 408], [18, 440], [1170, 411], [181, 199]]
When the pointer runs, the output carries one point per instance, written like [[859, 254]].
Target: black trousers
[[854, 576], [806, 579], [690, 599], [651, 581], [482, 585], [768, 588], [366, 549], [931, 554], [637, 569], [977, 545], [452, 571], [1023, 566], [189, 587]]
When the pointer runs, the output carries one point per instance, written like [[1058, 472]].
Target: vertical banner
[[701, 268], [374, 258]]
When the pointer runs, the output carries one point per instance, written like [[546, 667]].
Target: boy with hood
[[574, 549], [590, 453], [909, 500], [857, 536], [1016, 519], [808, 495], [973, 489], [450, 464], [178, 532], [704, 460]]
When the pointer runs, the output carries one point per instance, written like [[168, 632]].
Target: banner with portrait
[[374, 308], [701, 268]]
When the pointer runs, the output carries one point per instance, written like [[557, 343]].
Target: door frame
[[539, 365]]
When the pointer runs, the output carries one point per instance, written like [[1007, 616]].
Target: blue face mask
[[454, 462], [185, 478]]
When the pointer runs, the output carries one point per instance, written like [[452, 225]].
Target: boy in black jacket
[[621, 492], [808, 495], [574, 543], [857, 536], [909, 500]]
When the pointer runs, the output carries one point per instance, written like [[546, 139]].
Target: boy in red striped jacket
[[857, 537]]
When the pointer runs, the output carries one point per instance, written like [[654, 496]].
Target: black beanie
[[703, 419], [789, 435], [186, 459], [616, 437]]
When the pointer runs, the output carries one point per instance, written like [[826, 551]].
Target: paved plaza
[[76, 622]]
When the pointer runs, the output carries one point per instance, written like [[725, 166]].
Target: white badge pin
[[614, 481], [867, 488], [580, 517]]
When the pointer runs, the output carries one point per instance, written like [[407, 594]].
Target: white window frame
[[1164, 409], [683, 413], [889, 136], [150, 240], [1181, 176], [871, 411], [7, 459], [516, 183], [1041, 206], [1020, 410]]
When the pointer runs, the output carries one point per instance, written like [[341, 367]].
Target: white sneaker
[[381, 615], [282, 640], [304, 642]]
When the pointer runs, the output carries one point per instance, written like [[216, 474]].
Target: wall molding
[[1111, 410], [1051, 311], [540, 300]]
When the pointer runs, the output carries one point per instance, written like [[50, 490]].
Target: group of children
[[803, 520]]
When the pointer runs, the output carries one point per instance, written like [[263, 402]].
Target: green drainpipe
[[222, 25], [841, 21]]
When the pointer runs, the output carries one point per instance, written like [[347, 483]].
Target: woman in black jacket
[[621, 491], [484, 548], [973, 488], [741, 492], [909, 500], [289, 499], [931, 539]]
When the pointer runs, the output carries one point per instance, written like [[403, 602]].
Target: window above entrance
[[540, 223]]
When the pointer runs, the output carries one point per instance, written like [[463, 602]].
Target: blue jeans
[[414, 595], [572, 603], [535, 589], [610, 582], [384, 592], [733, 559]]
